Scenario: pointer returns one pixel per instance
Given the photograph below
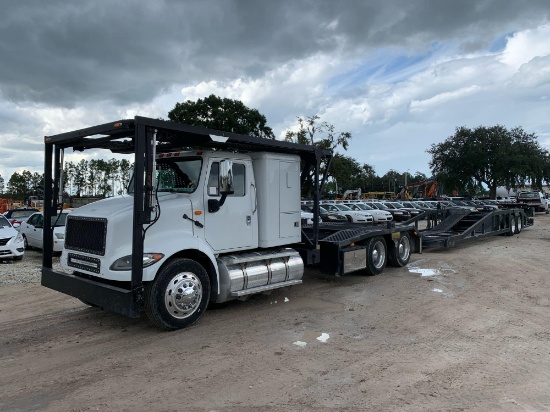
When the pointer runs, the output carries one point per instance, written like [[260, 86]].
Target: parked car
[[19, 216], [32, 230], [325, 215], [413, 211], [307, 217], [377, 214], [398, 215], [11, 241], [353, 216]]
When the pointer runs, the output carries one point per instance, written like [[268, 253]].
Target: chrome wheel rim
[[378, 255], [519, 225], [404, 249], [183, 295], [513, 225]]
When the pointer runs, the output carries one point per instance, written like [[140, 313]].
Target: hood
[[7, 232], [113, 206]]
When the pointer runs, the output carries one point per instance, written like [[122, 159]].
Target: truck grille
[[86, 234]]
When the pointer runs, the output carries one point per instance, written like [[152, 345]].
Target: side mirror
[[226, 177], [225, 184]]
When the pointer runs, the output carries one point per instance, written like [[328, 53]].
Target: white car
[[307, 218], [11, 241], [32, 230], [353, 216], [378, 215]]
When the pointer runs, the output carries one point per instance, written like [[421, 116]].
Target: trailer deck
[[460, 226], [350, 247]]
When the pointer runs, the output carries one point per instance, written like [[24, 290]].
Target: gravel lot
[[23, 271], [466, 329]]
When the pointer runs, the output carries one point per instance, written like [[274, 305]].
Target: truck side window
[[238, 179]]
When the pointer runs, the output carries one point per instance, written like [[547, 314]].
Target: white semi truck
[[209, 216]]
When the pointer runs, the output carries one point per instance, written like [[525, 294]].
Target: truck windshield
[[178, 175], [175, 175]]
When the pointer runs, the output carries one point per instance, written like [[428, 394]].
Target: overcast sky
[[399, 75]]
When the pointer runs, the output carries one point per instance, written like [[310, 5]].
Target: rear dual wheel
[[512, 226], [519, 225], [376, 255], [399, 251]]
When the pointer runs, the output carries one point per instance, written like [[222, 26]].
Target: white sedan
[[353, 216], [378, 215], [32, 230], [11, 241]]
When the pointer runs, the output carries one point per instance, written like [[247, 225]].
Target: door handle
[[254, 199]]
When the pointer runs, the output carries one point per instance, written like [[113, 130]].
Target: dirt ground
[[466, 329]]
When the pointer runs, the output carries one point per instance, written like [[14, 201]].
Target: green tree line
[[95, 177]]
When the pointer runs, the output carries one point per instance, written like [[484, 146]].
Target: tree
[[490, 156], [1, 185], [18, 185], [346, 171], [222, 114], [322, 135]]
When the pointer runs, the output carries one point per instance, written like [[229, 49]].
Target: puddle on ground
[[444, 283], [444, 292], [311, 337], [318, 305], [430, 272]]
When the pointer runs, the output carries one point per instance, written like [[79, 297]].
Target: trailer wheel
[[399, 252], [376, 255], [178, 296], [519, 225], [512, 226]]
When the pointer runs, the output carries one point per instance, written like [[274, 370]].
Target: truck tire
[[519, 225], [179, 295], [376, 255], [512, 226], [399, 253]]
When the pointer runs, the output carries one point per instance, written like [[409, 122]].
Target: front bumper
[[12, 249], [116, 299]]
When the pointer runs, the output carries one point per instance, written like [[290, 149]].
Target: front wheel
[[399, 253], [376, 255], [178, 296]]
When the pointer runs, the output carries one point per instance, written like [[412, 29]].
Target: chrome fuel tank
[[255, 272]]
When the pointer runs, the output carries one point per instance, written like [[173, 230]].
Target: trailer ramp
[[462, 226]]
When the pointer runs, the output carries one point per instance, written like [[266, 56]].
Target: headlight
[[60, 235], [125, 263], [19, 238]]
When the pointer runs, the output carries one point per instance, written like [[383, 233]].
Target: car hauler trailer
[[447, 228], [209, 216]]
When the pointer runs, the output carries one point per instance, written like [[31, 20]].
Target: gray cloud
[[65, 54]]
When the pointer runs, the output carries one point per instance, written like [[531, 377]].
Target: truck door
[[235, 225]]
